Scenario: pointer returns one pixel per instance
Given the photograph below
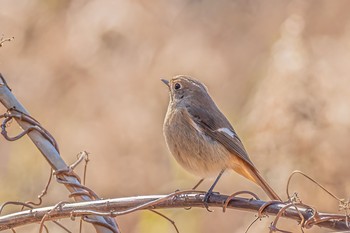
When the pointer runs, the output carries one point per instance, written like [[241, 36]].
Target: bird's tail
[[253, 174], [265, 186]]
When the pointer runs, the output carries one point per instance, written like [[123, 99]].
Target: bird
[[201, 138]]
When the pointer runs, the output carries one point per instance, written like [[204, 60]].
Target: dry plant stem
[[57, 206], [199, 182], [280, 213], [3, 40], [312, 180], [235, 195], [117, 206], [250, 225], [42, 194], [168, 219], [318, 218], [82, 156], [15, 203], [34, 125], [52, 156]]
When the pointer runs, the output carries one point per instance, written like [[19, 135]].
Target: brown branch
[[42, 139], [120, 206]]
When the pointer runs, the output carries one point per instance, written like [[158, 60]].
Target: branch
[[3, 40], [49, 150], [121, 206]]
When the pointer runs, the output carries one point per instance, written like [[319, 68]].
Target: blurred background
[[90, 72]]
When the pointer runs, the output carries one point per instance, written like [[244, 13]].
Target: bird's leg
[[210, 191]]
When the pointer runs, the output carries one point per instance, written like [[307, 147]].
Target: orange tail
[[253, 174], [265, 186]]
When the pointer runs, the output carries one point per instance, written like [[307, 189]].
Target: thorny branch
[[49, 148]]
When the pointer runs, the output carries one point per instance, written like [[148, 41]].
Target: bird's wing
[[219, 129]]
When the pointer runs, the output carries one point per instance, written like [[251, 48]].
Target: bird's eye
[[177, 86]]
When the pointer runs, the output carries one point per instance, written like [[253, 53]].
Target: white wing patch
[[227, 131]]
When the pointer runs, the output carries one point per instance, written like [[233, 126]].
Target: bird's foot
[[206, 200]]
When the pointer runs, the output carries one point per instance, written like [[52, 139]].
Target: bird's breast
[[192, 148]]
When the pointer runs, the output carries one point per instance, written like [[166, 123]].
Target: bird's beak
[[166, 82]]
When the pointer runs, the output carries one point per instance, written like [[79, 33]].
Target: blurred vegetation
[[89, 72]]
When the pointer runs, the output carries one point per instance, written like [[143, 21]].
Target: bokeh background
[[90, 72]]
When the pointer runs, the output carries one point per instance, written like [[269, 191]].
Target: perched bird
[[201, 138]]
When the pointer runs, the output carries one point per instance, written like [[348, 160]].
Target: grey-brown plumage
[[200, 137]]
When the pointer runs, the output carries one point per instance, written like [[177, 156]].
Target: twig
[[312, 180], [317, 217], [168, 219], [83, 155], [235, 195], [42, 194], [3, 40]]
